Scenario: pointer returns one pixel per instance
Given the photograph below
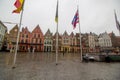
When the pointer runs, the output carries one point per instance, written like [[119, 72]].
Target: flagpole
[[80, 36], [57, 44], [57, 36], [117, 22], [21, 16]]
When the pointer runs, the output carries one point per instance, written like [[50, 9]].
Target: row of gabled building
[[66, 42]]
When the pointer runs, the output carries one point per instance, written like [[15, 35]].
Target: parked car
[[87, 58]]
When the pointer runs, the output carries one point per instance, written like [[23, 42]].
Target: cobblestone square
[[41, 66]]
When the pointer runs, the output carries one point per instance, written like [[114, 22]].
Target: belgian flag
[[19, 5]]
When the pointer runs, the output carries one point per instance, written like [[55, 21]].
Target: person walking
[[28, 49], [10, 50], [63, 53], [33, 50]]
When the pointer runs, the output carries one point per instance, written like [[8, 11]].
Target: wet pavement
[[41, 66]]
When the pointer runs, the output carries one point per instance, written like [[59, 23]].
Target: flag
[[117, 22], [56, 17], [75, 20], [18, 4]]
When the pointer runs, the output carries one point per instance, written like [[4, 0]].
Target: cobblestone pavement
[[41, 66]]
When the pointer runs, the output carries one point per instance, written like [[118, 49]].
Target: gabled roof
[[111, 34], [22, 28], [65, 33], [77, 35], [15, 27], [37, 29], [25, 29], [72, 34], [59, 36], [48, 32], [104, 35]]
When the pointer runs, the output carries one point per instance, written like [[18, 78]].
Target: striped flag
[[117, 22], [56, 17], [18, 4], [75, 20]]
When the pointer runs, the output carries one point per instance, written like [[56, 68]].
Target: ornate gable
[[14, 29], [37, 29], [72, 34]]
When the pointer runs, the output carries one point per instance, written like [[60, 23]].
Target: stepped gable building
[[113, 40], [77, 36], [37, 39], [48, 41], [59, 42], [72, 42], [117, 49], [24, 40], [97, 49], [65, 42], [3, 30], [93, 42], [12, 37], [85, 43]]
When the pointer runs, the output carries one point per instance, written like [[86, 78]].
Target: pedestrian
[[63, 52], [28, 49], [13, 50], [10, 50], [33, 50]]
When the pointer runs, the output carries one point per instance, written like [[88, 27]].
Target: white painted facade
[[105, 40], [48, 41], [3, 30], [91, 40], [65, 39]]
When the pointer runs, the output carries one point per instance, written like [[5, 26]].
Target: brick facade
[[37, 39], [24, 40]]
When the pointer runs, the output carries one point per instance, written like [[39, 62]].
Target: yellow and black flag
[[56, 17]]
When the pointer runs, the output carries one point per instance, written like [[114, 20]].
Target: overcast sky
[[95, 15]]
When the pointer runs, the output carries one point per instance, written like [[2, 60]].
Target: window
[[22, 41], [34, 35], [26, 36], [0, 38], [40, 40], [38, 35], [31, 40], [36, 40], [22, 35], [50, 42], [26, 41]]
